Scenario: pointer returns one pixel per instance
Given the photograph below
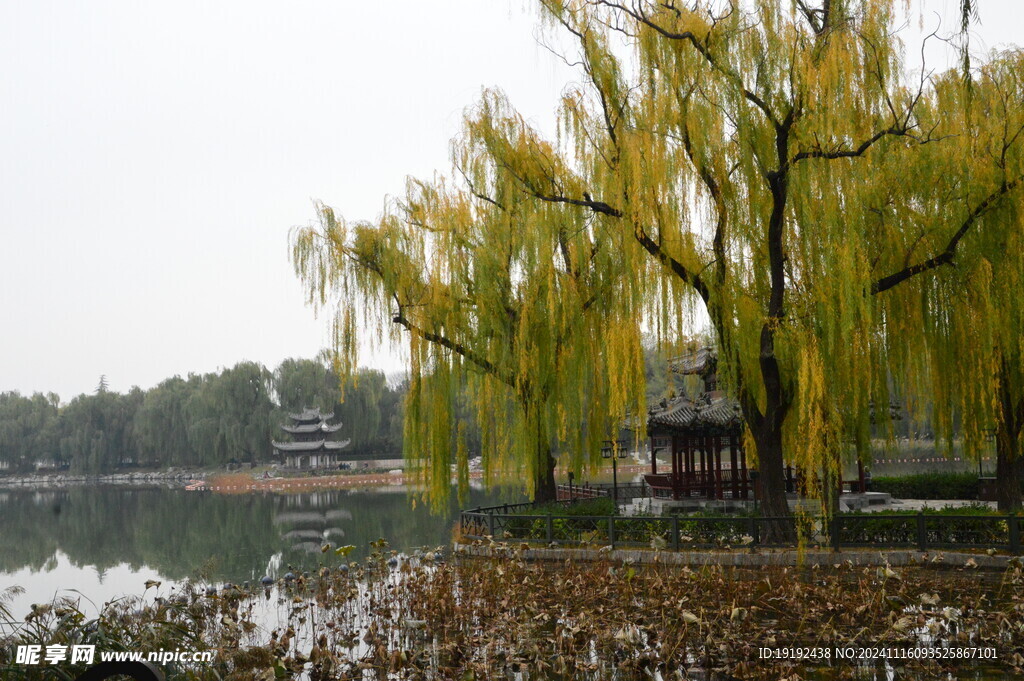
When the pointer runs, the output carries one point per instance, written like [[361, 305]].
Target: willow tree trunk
[[544, 465], [1008, 477], [1009, 466], [766, 426], [774, 506], [544, 489]]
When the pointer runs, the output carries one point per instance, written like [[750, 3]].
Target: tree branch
[[644, 239], [457, 348], [701, 48], [586, 202], [677, 268], [946, 256], [848, 153]]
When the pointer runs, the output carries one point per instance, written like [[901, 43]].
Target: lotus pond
[[426, 615]]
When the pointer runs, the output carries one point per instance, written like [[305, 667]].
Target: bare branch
[[849, 153], [947, 254]]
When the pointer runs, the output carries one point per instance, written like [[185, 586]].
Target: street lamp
[[614, 449], [990, 436]]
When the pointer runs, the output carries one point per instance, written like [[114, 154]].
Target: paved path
[[914, 505]]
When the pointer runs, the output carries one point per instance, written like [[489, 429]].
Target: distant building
[[313, 444]]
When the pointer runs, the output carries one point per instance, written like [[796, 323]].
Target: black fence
[[681, 533]]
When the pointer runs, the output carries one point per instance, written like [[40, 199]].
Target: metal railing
[[680, 532], [627, 491]]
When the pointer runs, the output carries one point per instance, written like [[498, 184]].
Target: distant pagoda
[[312, 444]]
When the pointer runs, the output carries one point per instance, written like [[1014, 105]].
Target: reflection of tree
[[176, 533], [170, 531]]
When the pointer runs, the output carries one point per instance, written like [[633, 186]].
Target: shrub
[[929, 486], [563, 529], [595, 506], [950, 525]]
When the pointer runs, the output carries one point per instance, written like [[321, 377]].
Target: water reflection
[[80, 538]]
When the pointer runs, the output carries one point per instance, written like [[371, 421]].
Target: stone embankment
[[748, 559], [171, 478]]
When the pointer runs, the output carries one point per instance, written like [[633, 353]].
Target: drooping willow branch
[[946, 256]]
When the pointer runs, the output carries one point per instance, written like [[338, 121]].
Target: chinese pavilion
[[704, 437], [311, 446]]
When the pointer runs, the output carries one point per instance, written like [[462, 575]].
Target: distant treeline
[[202, 420], [232, 416]]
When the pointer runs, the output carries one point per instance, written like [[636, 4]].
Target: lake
[[106, 541]]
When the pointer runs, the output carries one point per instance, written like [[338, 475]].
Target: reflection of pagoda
[[311, 446], [308, 521]]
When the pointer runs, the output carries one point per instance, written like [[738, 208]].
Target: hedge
[[929, 486]]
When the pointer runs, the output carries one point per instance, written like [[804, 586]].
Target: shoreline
[[207, 480], [171, 478], [818, 558]]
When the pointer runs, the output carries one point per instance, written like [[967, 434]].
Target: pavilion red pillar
[[716, 442], [734, 472], [697, 444], [746, 476], [687, 467], [654, 458], [703, 478], [675, 468]]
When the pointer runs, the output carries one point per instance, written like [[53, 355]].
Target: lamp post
[[990, 436], [614, 449]]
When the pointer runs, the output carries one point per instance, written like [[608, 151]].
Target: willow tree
[[499, 300], [957, 335], [752, 161]]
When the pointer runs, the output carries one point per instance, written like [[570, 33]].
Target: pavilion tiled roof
[[316, 446], [698, 362], [308, 415], [710, 410], [306, 428]]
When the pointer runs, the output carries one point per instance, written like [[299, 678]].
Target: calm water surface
[[105, 542]]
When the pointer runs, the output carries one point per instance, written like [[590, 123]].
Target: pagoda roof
[[698, 362], [315, 446], [713, 410], [311, 416], [307, 428]]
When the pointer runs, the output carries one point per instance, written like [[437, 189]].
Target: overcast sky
[[153, 157]]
